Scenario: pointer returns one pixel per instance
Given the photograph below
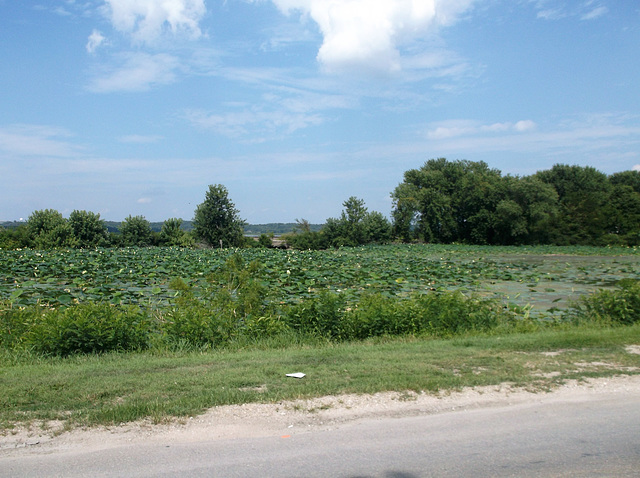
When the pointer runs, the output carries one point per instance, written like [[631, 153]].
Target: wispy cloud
[[253, 122], [594, 13], [603, 139], [24, 140], [556, 10], [460, 128], [139, 139], [137, 71]]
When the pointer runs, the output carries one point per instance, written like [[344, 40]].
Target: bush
[[321, 315], [377, 315], [619, 307], [88, 229], [233, 304], [86, 328], [450, 313], [307, 240]]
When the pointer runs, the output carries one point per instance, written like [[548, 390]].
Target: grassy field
[[116, 388], [185, 379]]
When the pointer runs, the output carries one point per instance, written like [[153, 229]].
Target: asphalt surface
[[595, 437]]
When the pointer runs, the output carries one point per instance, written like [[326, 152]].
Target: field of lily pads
[[540, 280]]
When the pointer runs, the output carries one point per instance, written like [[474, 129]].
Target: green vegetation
[[105, 327], [444, 202], [465, 201], [111, 335], [145, 298], [116, 388], [217, 221]]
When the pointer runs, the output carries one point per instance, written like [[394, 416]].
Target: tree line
[[441, 202], [467, 202]]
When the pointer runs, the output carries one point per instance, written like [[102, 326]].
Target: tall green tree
[[583, 194], [527, 212], [88, 229], [136, 231], [49, 230], [377, 228], [216, 221], [626, 178], [623, 216], [356, 225], [447, 201], [172, 234]]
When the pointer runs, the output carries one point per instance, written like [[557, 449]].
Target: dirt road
[[588, 429]]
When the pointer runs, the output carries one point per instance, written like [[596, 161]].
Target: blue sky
[[135, 106]]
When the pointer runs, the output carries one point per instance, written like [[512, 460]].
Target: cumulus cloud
[[370, 33], [137, 72], [95, 40], [636, 167], [145, 20]]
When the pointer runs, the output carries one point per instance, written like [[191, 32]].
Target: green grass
[[89, 390]]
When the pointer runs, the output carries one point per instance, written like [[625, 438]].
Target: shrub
[[88, 328], [620, 306], [320, 315], [233, 304], [450, 313], [377, 315]]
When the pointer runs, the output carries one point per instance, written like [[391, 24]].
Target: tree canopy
[[442, 201], [217, 221], [464, 201]]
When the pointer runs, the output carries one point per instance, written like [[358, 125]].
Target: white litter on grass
[[296, 375]]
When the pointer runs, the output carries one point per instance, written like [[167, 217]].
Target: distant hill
[[277, 228], [11, 224]]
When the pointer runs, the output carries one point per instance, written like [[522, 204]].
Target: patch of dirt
[[298, 416]]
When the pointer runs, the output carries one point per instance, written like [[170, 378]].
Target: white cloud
[[254, 122], [525, 125], [595, 13], [556, 10], [138, 72], [550, 14], [95, 40], [139, 139], [368, 34], [607, 141], [457, 128], [36, 140], [636, 168], [145, 20]]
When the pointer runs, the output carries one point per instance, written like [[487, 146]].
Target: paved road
[[598, 437]]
